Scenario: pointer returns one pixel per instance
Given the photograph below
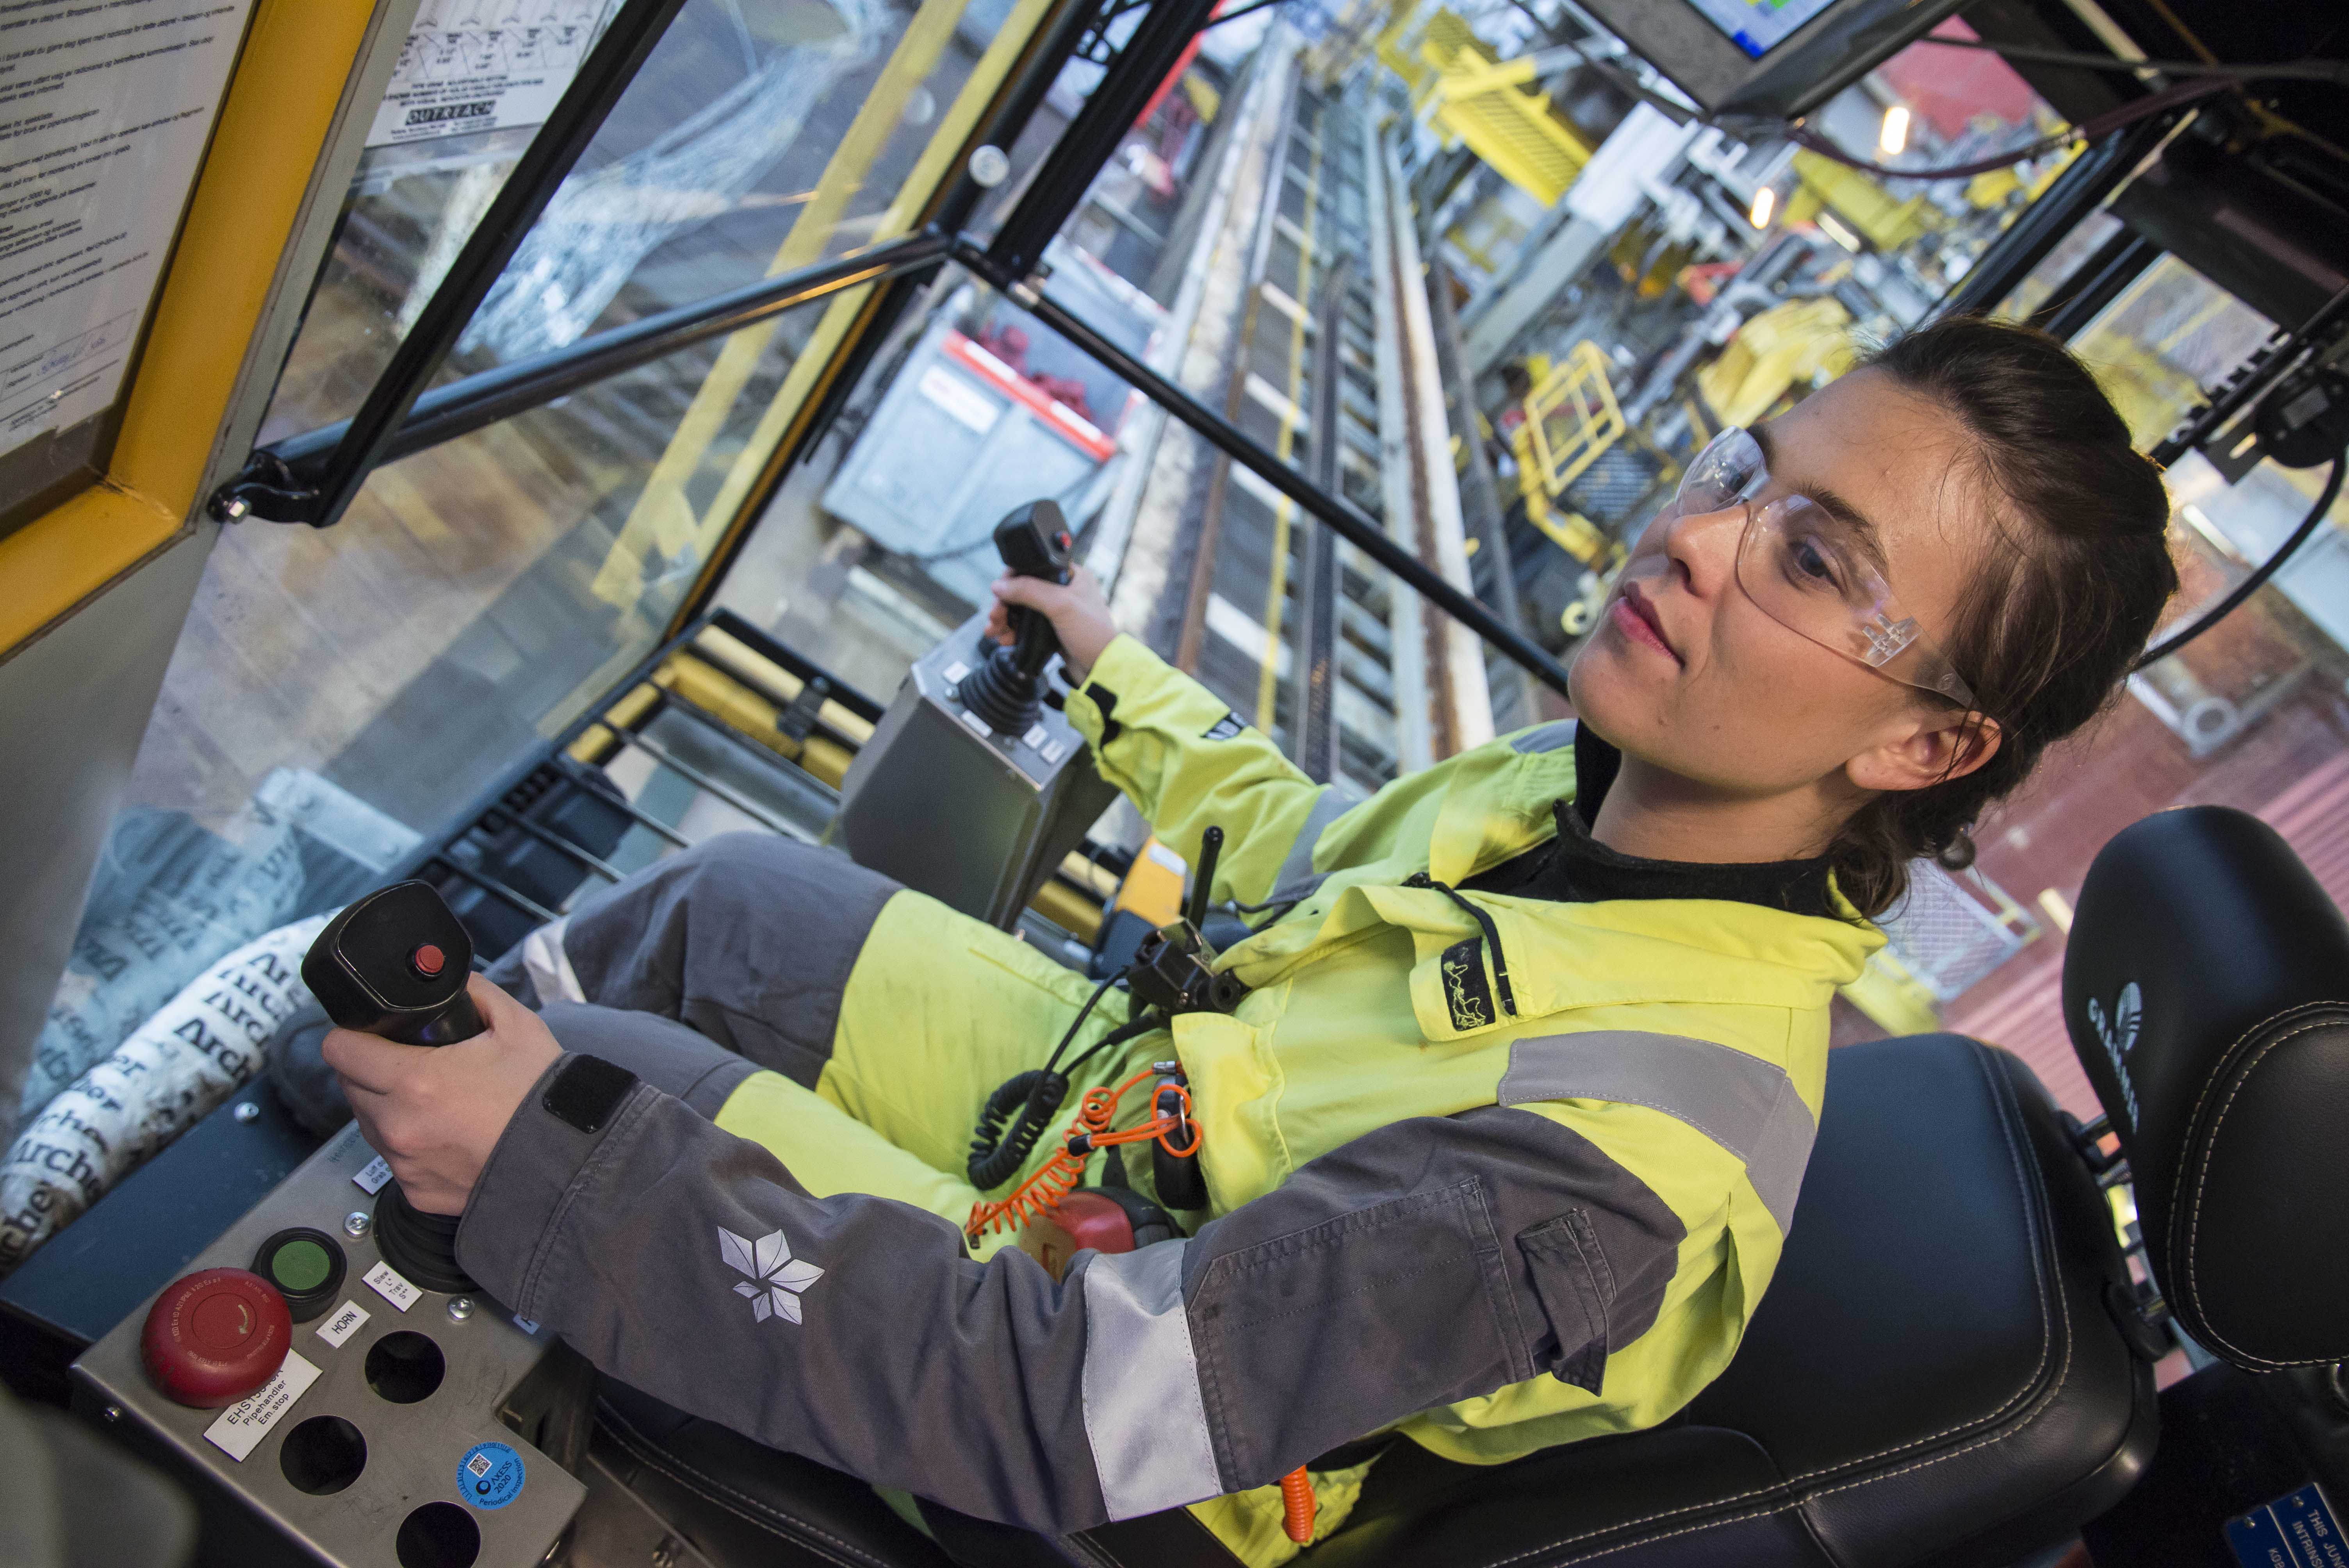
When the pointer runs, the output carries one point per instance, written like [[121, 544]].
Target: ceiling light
[[1766, 202], [1894, 137]]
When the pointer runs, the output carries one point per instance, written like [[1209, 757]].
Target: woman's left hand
[[435, 1112]]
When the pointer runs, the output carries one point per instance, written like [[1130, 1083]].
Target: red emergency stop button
[[428, 961], [215, 1337]]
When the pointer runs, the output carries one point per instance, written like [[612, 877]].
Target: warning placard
[[485, 65]]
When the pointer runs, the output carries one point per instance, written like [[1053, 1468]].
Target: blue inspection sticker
[[490, 1475], [2297, 1531]]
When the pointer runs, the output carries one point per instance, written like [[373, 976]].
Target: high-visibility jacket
[[1497, 1172]]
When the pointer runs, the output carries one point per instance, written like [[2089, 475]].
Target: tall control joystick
[[1034, 542], [395, 964]]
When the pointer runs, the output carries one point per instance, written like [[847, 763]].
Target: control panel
[[973, 814], [354, 1409]]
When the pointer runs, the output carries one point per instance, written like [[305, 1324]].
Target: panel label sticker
[[246, 1423], [490, 1476], [390, 1285], [2297, 1531], [343, 1324], [371, 1179]]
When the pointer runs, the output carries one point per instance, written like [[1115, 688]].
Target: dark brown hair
[[2052, 619]]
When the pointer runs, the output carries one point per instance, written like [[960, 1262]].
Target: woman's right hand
[[1079, 614]]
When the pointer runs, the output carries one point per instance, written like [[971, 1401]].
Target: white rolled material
[[171, 1071]]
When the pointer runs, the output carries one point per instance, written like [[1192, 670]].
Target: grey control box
[[379, 1443], [948, 806]]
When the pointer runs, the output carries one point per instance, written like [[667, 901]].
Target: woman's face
[[1688, 674]]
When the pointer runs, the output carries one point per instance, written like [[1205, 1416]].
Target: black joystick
[[1004, 691], [394, 964]]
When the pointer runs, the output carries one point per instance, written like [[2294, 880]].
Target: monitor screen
[[1758, 26]]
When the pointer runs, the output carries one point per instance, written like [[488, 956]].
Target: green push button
[[306, 1267], [302, 1265]]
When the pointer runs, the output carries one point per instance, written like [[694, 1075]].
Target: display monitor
[[1768, 59], [1757, 26]]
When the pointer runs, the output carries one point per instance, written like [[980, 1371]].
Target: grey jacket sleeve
[[1432, 1260]]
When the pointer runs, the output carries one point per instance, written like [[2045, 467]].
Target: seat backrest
[[2206, 988]]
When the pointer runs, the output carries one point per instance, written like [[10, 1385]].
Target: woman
[[1501, 1145]]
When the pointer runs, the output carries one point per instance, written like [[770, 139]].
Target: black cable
[[995, 1155], [2086, 130], [1243, 11], [2278, 70], [2251, 584]]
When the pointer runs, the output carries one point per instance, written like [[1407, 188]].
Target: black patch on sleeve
[[1228, 728], [1467, 991], [1106, 700], [587, 1091]]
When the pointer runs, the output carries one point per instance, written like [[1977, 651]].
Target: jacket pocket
[[1577, 1290], [1313, 1338]]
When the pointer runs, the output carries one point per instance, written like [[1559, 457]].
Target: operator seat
[[1951, 1367]]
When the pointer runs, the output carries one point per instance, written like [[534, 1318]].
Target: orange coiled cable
[[1058, 1177], [1296, 1505]]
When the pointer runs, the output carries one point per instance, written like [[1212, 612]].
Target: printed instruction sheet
[[105, 110]]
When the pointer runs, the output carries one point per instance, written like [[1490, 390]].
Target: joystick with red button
[[215, 1337], [395, 964]]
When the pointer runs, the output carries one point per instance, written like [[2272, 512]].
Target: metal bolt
[[247, 1110], [461, 1307], [988, 165], [113, 1412], [357, 1223]]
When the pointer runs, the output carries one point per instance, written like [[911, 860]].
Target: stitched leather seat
[[1935, 1376]]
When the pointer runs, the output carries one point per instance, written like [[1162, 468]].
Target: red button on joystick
[[215, 1337], [428, 961]]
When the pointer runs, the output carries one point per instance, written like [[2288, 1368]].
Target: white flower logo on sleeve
[[776, 1277]]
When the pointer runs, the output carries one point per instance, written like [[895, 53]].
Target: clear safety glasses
[[1811, 572]]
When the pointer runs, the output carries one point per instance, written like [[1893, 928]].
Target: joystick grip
[[395, 964], [1034, 542]]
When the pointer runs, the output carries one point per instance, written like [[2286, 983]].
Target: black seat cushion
[[741, 1504], [2206, 987], [1935, 1377]]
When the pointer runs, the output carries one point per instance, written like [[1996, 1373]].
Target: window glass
[[481, 594], [711, 169], [2058, 265], [2171, 333]]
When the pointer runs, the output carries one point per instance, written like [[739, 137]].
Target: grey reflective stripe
[[1297, 878], [1145, 1415], [1555, 735], [1744, 1104]]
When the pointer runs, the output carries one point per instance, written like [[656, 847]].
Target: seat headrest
[[2206, 988]]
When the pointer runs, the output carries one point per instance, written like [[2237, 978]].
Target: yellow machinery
[[1804, 340], [1571, 419], [1860, 201], [1489, 104]]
